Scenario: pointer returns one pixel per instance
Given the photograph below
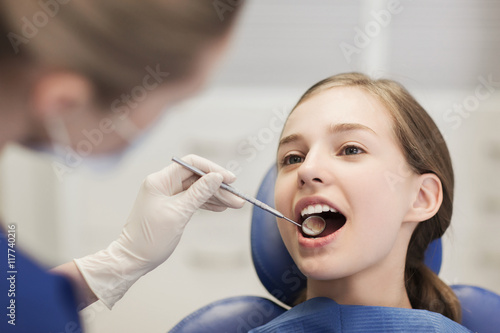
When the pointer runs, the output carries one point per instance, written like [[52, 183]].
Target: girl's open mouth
[[333, 218], [334, 221]]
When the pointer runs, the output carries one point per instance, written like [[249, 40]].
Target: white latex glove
[[165, 203]]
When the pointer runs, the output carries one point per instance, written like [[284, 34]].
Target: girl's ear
[[428, 199]]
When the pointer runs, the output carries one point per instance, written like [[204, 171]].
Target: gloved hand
[[165, 203]]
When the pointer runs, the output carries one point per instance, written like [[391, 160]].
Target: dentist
[[85, 78]]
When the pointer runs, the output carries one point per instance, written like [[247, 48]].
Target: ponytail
[[425, 289]]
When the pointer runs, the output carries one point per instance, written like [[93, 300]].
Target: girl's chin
[[317, 271]]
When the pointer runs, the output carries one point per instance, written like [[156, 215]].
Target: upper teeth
[[315, 209]]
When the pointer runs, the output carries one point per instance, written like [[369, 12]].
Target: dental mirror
[[313, 225]]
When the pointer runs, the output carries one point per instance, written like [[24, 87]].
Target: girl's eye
[[352, 150], [292, 159]]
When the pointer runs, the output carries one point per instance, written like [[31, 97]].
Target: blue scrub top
[[32, 300], [321, 314]]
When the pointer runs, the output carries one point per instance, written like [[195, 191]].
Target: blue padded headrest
[[274, 266], [480, 308]]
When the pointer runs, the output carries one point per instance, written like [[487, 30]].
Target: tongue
[[332, 224]]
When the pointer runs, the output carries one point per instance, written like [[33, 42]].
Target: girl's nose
[[314, 171]]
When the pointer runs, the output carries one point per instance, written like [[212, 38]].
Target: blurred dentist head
[[89, 76]]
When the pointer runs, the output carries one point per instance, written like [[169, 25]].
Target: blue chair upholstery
[[480, 308], [235, 314], [281, 277]]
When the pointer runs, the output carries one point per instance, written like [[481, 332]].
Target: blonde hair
[[425, 151], [112, 42]]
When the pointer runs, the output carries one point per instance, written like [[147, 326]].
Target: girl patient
[[365, 156]]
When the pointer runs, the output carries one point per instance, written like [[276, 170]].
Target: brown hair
[[425, 151], [112, 42]]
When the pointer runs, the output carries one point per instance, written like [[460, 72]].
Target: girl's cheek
[[280, 192], [281, 200]]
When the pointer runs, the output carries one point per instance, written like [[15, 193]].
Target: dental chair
[[281, 277]]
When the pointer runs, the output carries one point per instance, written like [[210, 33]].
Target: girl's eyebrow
[[346, 127], [334, 128], [289, 139]]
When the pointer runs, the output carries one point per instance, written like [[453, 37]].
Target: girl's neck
[[365, 288]]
